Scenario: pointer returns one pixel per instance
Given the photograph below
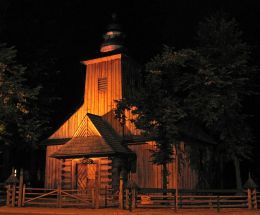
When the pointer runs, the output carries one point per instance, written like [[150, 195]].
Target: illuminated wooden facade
[[90, 141]]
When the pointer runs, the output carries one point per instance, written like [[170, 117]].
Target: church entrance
[[85, 177]]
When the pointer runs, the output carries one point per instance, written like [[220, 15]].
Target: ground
[[70, 211]]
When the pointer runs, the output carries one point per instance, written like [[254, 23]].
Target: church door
[[86, 174]]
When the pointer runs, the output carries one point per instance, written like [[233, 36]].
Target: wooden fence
[[132, 198], [187, 199], [96, 198]]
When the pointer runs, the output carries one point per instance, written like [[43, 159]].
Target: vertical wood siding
[[102, 102], [149, 175], [52, 168]]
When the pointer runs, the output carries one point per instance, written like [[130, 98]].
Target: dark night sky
[[75, 27], [72, 31]]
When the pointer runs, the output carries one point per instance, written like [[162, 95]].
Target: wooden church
[[88, 147]]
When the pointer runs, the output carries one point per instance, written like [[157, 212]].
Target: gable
[[94, 137]]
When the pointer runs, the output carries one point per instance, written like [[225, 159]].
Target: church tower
[[111, 77]]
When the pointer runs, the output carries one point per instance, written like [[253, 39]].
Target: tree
[[20, 123], [228, 80]]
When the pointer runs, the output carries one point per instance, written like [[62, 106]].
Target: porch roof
[[86, 145]]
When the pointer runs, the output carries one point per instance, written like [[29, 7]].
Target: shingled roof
[[108, 133], [84, 145]]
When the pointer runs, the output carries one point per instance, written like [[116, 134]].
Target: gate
[[57, 198], [41, 197]]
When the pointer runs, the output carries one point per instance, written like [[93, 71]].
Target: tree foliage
[[206, 86], [229, 78], [19, 119]]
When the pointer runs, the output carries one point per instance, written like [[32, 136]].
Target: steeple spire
[[113, 38]]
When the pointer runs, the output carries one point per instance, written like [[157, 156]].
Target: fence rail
[[258, 199], [152, 198], [131, 198], [2, 194], [94, 198]]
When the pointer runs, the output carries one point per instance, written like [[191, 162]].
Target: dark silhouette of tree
[[228, 81], [17, 100], [205, 86], [21, 123]]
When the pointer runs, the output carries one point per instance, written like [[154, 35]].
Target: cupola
[[113, 38]]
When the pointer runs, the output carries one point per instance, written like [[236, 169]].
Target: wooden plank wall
[[52, 168], [101, 103], [149, 175], [68, 128]]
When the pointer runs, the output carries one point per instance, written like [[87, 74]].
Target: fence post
[[13, 195], [23, 198], [8, 196], [93, 197], [97, 184], [126, 199], [176, 199], [249, 198], [59, 195], [254, 199], [105, 196], [97, 189], [121, 193], [133, 198], [250, 185], [97, 198], [218, 204], [176, 177], [20, 194]]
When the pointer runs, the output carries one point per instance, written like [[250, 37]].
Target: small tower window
[[102, 84]]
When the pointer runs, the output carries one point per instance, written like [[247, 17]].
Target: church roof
[[108, 133], [86, 144]]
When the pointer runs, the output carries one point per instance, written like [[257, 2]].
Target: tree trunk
[[237, 173], [165, 175]]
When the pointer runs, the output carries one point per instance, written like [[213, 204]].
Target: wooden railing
[[158, 198], [2, 194], [258, 199], [213, 199], [58, 198], [131, 198], [94, 198], [40, 197]]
